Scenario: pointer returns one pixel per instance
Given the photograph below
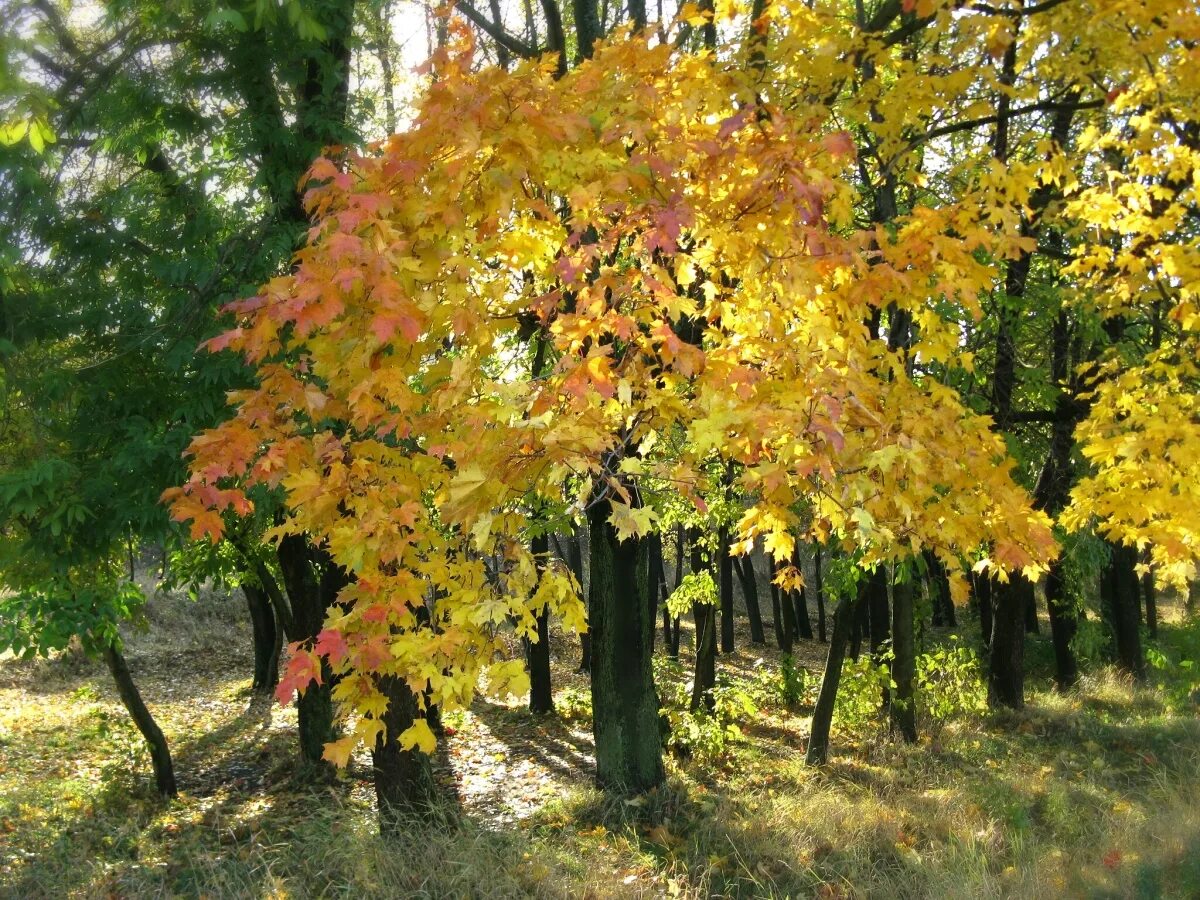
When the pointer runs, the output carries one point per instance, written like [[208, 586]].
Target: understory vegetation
[[1085, 794]]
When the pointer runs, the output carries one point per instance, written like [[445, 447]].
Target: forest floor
[[1095, 793]]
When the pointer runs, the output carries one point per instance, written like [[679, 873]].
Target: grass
[[1088, 794]]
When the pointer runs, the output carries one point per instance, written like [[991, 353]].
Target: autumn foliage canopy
[[555, 293]]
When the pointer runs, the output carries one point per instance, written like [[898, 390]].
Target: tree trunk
[[1063, 625], [785, 618], [877, 600], [404, 783], [783, 636], [822, 720], [267, 643], [311, 592], [131, 699], [820, 591], [725, 583], [902, 709], [672, 623], [705, 677], [625, 717], [939, 591], [1006, 662], [982, 593], [800, 614], [1123, 609], [574, 550], [541, 692], [859, 624], [1031, 613], [1150, 598], [800, 603], [656, 573], [747, 578]]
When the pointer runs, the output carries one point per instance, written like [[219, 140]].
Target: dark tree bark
[[1031, 613], [705, 677], [541, 691], [747, 578], [860, 624], [820, 592], [725, 583], [625, 718], [1150, 598], [785, 617], [1063, 625], [574, 556], [131, 699], [658, 589], [800, 614], [1006, 658], [783, 637], [877, 601], [1012, 601], [800, 604], [939, 591], [313, 583], [404, 783], [704, 615], [267, 639], [679, 542], [587, 28], [1123, 611], [818, 741], [982, 593], [1006, 663], [902, 709]]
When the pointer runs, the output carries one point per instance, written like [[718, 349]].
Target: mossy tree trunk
[[404, 783], [1120, 579], [625, 716], [1006, 660], [1064, 623]]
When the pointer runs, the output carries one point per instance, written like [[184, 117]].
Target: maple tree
[[685, 249]]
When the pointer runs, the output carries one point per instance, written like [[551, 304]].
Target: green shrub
[[949, 684]]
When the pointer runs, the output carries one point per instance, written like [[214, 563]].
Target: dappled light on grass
[[1087, 793]]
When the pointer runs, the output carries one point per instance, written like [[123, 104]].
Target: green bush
[[949, 684]]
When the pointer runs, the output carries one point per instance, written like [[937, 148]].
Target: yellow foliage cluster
[[609, 278]]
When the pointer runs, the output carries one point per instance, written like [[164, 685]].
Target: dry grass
[[1092, 794]]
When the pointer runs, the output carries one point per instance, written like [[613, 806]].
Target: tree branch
[[1043, 106], [496, 32]]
